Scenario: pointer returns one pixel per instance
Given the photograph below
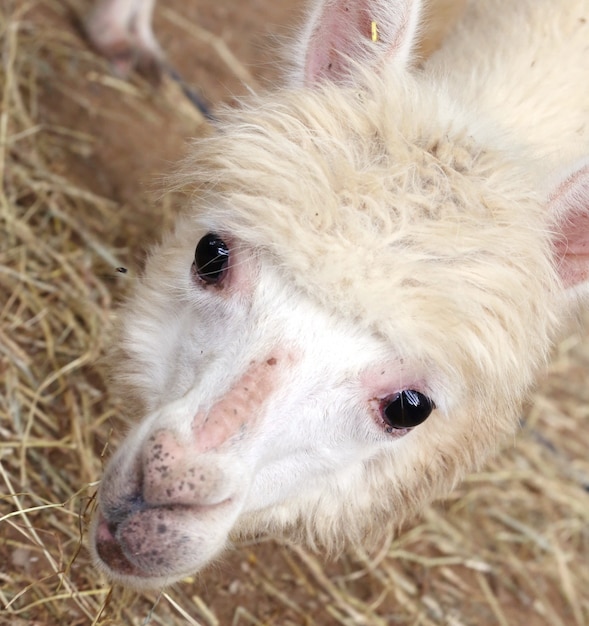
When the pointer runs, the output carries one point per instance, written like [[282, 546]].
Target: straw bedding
[[80, 155]]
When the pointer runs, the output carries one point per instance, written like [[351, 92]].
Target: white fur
[[391, 230]]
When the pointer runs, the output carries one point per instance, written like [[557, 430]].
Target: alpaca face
[[254, 394], [270, 398], [348, 317]]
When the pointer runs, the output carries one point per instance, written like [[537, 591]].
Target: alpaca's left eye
[[405, 409], [211, 259]]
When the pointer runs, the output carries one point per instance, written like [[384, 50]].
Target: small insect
[[121, 270]]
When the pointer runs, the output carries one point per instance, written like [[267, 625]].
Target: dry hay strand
[[509, 546]]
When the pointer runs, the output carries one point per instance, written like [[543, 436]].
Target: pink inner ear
[[339, 33], [368, 32], [570, 204], [572, 249]]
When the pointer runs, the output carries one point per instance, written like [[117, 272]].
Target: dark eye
[[405, 409], [211, 259]]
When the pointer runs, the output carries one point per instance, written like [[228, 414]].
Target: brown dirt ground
[[83, 154]]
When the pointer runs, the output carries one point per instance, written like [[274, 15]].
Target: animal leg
[[121, 30]]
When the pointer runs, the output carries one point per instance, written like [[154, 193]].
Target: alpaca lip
[[111, 552], [122, 547], [156, 543]]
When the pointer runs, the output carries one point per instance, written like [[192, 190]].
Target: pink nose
[[187, 472], [173, 474]]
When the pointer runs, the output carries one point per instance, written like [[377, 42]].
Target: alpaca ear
[[341, 34], [569, 206]]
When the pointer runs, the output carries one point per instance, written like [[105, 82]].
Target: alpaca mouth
[[155, 546], [146, 544], [164, 512]]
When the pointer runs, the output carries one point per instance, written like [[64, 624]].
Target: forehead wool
[[413, 232]]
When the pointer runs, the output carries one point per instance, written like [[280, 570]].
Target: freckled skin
[[183, 479]]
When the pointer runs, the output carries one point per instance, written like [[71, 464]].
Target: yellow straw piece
[[374, 31]]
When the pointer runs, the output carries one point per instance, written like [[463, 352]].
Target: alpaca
[[121, 30], [371, 273]]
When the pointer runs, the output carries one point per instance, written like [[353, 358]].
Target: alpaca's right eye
[[211, 259], [405, 409]]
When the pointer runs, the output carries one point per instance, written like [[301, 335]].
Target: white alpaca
[[384, 257]]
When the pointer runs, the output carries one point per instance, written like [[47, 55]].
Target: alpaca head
[[345, 321]]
